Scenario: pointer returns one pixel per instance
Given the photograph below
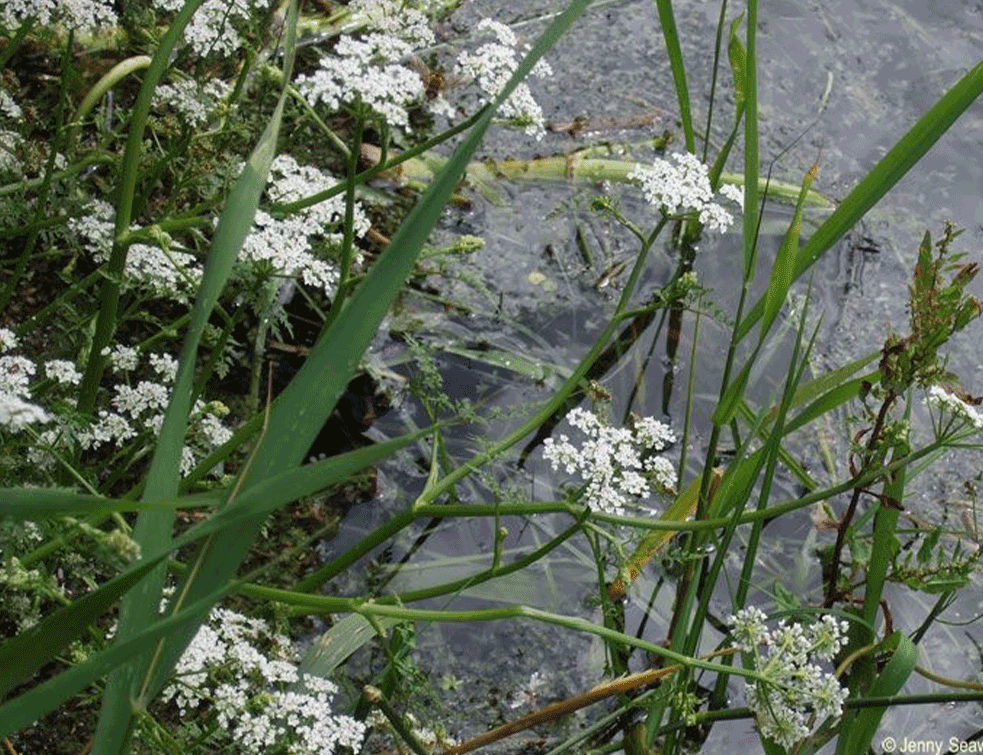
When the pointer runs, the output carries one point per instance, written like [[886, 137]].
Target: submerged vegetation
[[224, 260]]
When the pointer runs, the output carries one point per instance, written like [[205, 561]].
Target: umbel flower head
[[242, 675], [616, 463], [798, 693], [492, 65], [943, 400], [681, 185]]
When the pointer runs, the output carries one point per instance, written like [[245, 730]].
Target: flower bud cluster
[[681, 185], [798, 693], [618, 465]]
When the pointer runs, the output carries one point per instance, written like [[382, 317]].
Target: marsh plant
[[213, 214]]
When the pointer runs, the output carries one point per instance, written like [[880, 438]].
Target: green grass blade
[[738, 63], [731, 400], [668, 23], [858, 736], [333, 647], [36, 505], [891, 169], [784, 267], [751, 168]]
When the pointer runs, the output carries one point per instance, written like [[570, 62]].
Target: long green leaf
[[784, 267], [751, 167], [39, 504], [738, 62], [864, 726], [891, 169], [671, 35], [333, 647]]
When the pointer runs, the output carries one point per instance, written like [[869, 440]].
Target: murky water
[[879, 65]]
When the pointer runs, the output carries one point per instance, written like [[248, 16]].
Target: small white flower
[[173, 274], [795, 687], [16, 413], [492, 65], [227, 665], [363, 71], [165, 366], [194, 101], [15, 374], [653, 434], [681, 185], [8, 106], [397, 19], [85, 16], [212, 28], [8, 340], [109, 428], [748, 629], [287, 246], [940, 397], [63, 371], [123, 358], [610, 461], [146, 396], [528, 694]]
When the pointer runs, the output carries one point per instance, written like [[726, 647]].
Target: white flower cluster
[[16, 410], [617, 464], [85, 16], [172, 273], [211, 31], [192, 100], [260, 702], [285, 245], [136, 408], [395, 18], [492, 65], [682, 186], [940, 397], [798, 693], [366, 72], [9, 106]]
